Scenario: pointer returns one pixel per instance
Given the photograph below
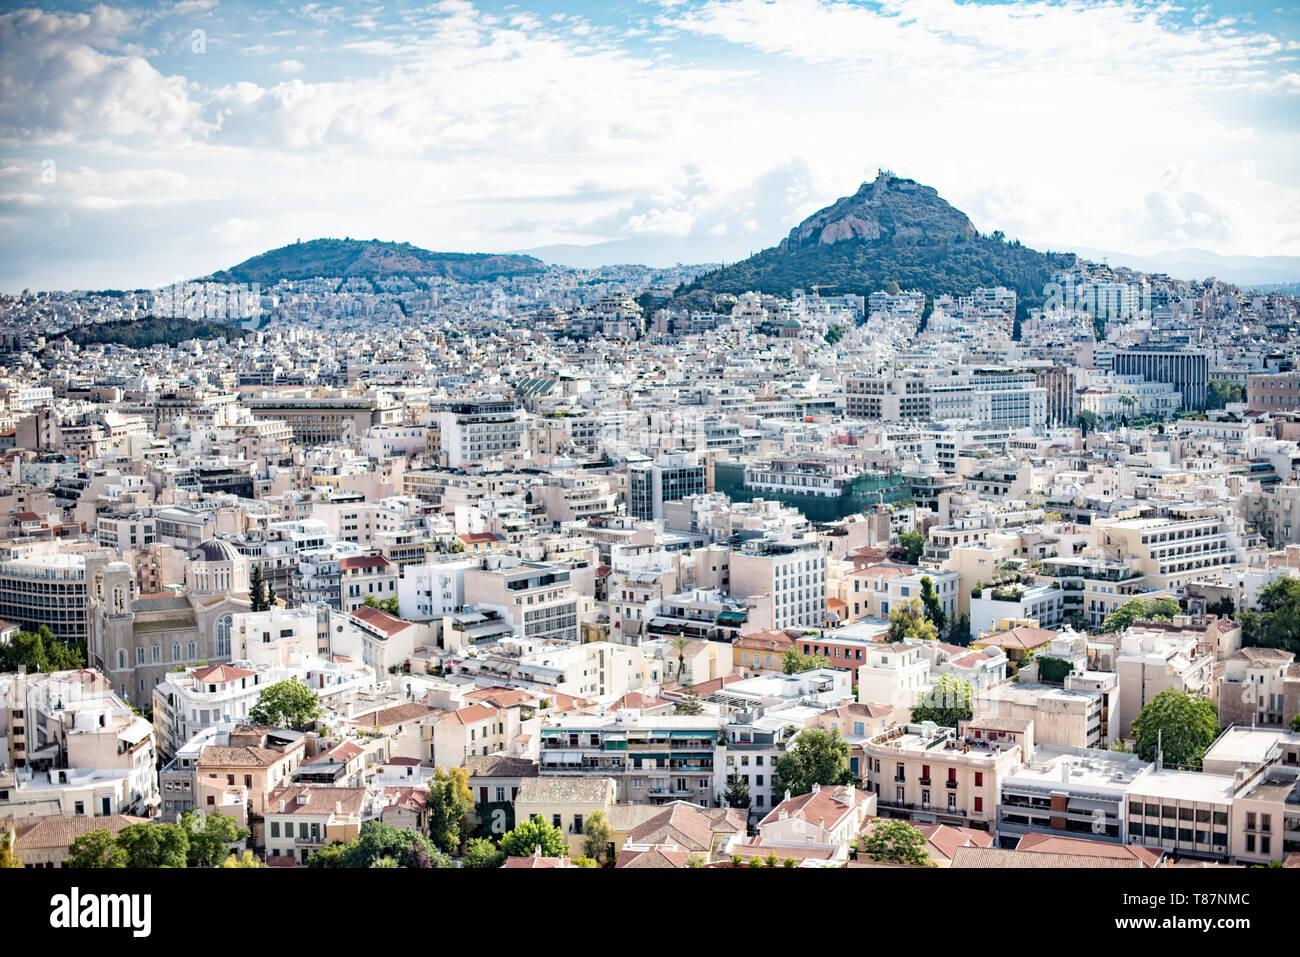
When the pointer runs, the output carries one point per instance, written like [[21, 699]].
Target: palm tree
[[679, 645]]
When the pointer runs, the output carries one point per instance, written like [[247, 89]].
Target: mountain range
[[892, 229]]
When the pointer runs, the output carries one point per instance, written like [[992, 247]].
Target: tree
[[406, 848], [389, 605], [948, 702], [1087, 421], [815, 756], [795, 661], [96, 848], [154, 845], [286, 704], [527, 836], [209, 842], [243, 860], [1183, 725], [481, 853], [960, 633], [598, 838], [894, 842], [695, 860], [331, 855], [737, 793], [449, 803], [585, 862], [257, 589], [1220, 394], [40, 651], [690, 703], [8, 853], [907, 622], [914, 543], [930, 602], [1225, 607], [1277, 623], [1147, 609], [679, 645], [1295, 723]]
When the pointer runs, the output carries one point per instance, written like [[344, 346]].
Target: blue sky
[[144, 143]]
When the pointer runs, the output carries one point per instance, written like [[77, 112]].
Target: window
[[79, 808], [979, 805], [555, 820], [275, 828]]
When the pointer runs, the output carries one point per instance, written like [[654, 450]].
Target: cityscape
[[883, 539]]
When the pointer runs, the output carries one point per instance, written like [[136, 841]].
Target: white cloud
[[1107, 125]]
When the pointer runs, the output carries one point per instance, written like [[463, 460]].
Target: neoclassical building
[[136, 639]]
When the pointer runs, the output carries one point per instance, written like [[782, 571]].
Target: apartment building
[[537, 598], [669, 479], [301, 819], [651, 759], [1258, 686], [1148, 663], [481, 430], [1186, 812], [792, 572], [933, 775], [1080, 792]]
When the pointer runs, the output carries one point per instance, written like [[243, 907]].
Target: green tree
[[1184, 726], [257, 589], [389, 605], [1087, 421], [914, 543], [243, 860], [908, 622], [1135, 609], [598, 838], [894, 842], [690, 703], [449, 803], [1225, 607], [960, 633], [1295, 723], [527, 836], [795, 661], [8, 854], [1277, 622], [209, 842], [286, 704], [1221, 393], [40, 651], [695, 860], [480, 853], [930, 602], [737, 793], [679, 645], [406, 848], [815, 756], [331, 855], [949, 701], [154, 845], [97, 848]]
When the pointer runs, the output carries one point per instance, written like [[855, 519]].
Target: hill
[[150, 331], [373, 259], [891, 229]]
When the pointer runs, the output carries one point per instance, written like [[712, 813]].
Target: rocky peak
[[886, 209]]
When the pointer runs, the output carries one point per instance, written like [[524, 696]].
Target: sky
[[142, 144]]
